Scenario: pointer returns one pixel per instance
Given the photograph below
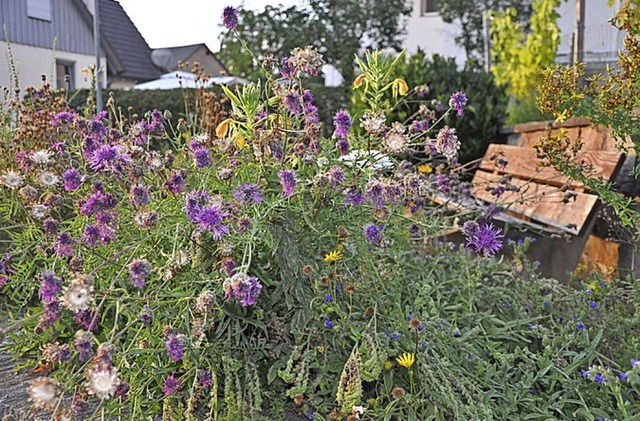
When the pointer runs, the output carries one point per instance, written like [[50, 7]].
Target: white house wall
[[33, 62], [432, 35]]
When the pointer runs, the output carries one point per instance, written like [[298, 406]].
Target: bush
[[484, 116]]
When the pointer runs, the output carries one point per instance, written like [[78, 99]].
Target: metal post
[[578, 45], [487, 40], [96, 40]]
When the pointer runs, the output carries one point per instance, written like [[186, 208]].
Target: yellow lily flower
[[223, 127], [358, 82]]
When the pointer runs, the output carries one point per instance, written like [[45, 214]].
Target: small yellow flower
[[334, 256], [358, 82], [406, 360], [223, 127], [240, 141], [425, 169], [388, 365]]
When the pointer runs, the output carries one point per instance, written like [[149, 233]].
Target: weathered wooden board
[[523, 163], [539, 202]]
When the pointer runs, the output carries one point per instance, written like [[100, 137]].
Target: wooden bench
[[541, 197]]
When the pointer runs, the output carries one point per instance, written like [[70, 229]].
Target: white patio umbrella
[[182, 79]]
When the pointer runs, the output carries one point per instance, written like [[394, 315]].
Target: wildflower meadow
[[268, 272]]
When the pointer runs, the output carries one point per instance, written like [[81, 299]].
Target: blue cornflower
[[599, 378], [424, 345], [623, 376], [328, 298], [507, 306], [394, 336], [328, 324], [580, 326], [593, 305], [585, 373]]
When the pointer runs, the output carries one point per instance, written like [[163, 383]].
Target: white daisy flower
[[41, 157], [77, 296], [44, 392], [39, 211], [12, 179], [48, 179], [102, 382]]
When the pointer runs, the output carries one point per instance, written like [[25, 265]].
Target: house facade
[[427, 30], [47, 38]]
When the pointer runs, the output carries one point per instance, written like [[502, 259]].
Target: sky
[[172, 23]]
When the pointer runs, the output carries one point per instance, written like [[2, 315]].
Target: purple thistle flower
[[52, 312], [194, 201], [146, 316], [107, 158], [87, 318], [373, 232], [243, 288], [139, 270], [342, 122], [343, 146], [287, 70], [353, 197], [230, 17], [139, 195], [292, 103], [98, 201], [485, 239], [288, 182], [205, 378], [244, 224], [64, 117], [72, 179], [91, 235], [63, 244], [201, 157], [49, 286], [248, 193], [171, 385], [336, 175], [458, 101], [83, 342], [210, 218], [177, 181], [174, 347]]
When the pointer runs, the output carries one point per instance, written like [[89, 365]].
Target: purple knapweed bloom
[[83, 342], [49, 286], [228, 266], [343, 146], [342, 122], [177, 181], [64, 117], [171, 385], [288, 182], [98, 201], [87, 318], [248, 193], [353, 197], [373, 232], [243, 288], [230, 17], [205, 378], [194, 202], [72, 179], [485, 239], [174, 347], [447, 143], [5, 269], [63, 245], [139, 270], [91, 235], [291, 102], [336, 175], [139, 195], [210, 218], [107, 158], [201, 157], [458, 101]]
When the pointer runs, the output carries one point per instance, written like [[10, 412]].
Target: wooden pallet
[[542, 199]]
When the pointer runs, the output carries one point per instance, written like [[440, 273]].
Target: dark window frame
[[428, 7]]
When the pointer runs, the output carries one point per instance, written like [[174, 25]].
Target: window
[[64, 75], [428, 6], [39, 9]]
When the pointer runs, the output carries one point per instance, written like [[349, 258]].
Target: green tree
[[468, 14], [338, 28]]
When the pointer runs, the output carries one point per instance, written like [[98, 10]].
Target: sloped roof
[[183, 52], [127, 43]]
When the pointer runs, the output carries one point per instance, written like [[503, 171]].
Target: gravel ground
[[14, 403]]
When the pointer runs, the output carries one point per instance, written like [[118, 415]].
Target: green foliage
[[469, 15], [338, 28], [484, 116], [519, 58]]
